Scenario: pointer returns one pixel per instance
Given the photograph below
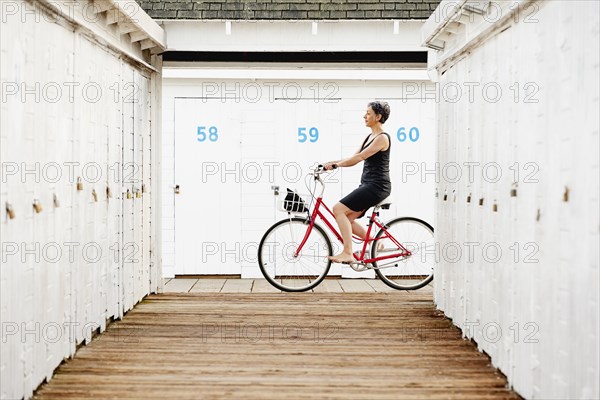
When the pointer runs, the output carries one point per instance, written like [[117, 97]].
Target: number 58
[[213, 135]]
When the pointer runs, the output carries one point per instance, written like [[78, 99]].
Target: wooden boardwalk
[[236, 285], [253, 345]]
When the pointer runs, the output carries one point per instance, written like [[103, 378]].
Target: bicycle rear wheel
[[276, 255], [411, 272]]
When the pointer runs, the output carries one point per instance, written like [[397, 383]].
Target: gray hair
[[382, 108]]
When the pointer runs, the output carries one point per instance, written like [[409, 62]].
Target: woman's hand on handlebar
[[329, 166]]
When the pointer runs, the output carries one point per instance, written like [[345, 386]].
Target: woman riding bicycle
[[375, 184]]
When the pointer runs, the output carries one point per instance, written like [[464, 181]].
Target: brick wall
[[289, 9]]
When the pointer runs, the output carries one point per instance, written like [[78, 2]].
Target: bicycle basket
[[293, 203]]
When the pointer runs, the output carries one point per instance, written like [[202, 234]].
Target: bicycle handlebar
[[316, 173], [320, 169]]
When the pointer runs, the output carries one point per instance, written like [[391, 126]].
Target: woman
[[375, 183]]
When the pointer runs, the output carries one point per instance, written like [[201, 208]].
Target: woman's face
[[371, 118]]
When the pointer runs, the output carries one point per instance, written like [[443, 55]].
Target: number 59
[[313, 133]]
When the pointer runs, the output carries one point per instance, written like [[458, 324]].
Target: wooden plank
[[147, 44], [329, 286], [208, 286], [296, 283], [179, 285], [355, 285], [262, 286], [237, 286], [289, 342], [379, 286], [426, 289]]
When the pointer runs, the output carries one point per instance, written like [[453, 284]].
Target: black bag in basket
[[293, 202]]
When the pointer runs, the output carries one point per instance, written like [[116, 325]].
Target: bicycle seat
[[385, 203]]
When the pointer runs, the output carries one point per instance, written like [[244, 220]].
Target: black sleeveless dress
[[375, 184]]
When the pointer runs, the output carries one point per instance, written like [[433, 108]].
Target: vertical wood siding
[[52, 302], [534, 310]]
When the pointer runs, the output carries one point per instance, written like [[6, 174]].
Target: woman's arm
[[380, 143]]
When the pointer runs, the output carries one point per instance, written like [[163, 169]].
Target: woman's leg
[[360, 231], [357, 228], [342, 216]]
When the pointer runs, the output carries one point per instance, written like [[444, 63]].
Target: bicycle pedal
[[359, 267], [354, 264]]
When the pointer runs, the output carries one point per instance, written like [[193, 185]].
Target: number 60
[[413, 134]]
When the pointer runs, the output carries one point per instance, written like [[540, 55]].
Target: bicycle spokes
[[284, 266], [408, 255]]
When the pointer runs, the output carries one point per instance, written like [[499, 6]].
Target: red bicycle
[[293, 253]]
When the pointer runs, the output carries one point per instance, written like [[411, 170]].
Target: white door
[[230, 153], [207, 208]]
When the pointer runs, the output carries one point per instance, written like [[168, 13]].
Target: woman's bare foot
[[343, 258]]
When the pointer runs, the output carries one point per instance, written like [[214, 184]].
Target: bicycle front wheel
[[408, 272], [278, 262]]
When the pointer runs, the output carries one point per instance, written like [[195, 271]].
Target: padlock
[[177, 191], [37, 206], [566, 194], [108, 192], [10, 211], [138, 193], [95, 195], [55, 201], [495, 207], [128, 194], [79, 183], [469, 198], [513, 190], [143, 188], [481, 201]]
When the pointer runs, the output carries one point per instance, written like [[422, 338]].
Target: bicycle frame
[[372, 220]]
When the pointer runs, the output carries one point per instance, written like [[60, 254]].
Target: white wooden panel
[[154, 177], [521, 308], [209, 173], [275, 35], [13, 313], [114, 123], [59, 286], [168, 182], [130, 174], [141, 134], [146, 183]]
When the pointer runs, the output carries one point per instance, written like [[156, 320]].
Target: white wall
[[534, 309], [231, 219], [226, 203], [84, 259]]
